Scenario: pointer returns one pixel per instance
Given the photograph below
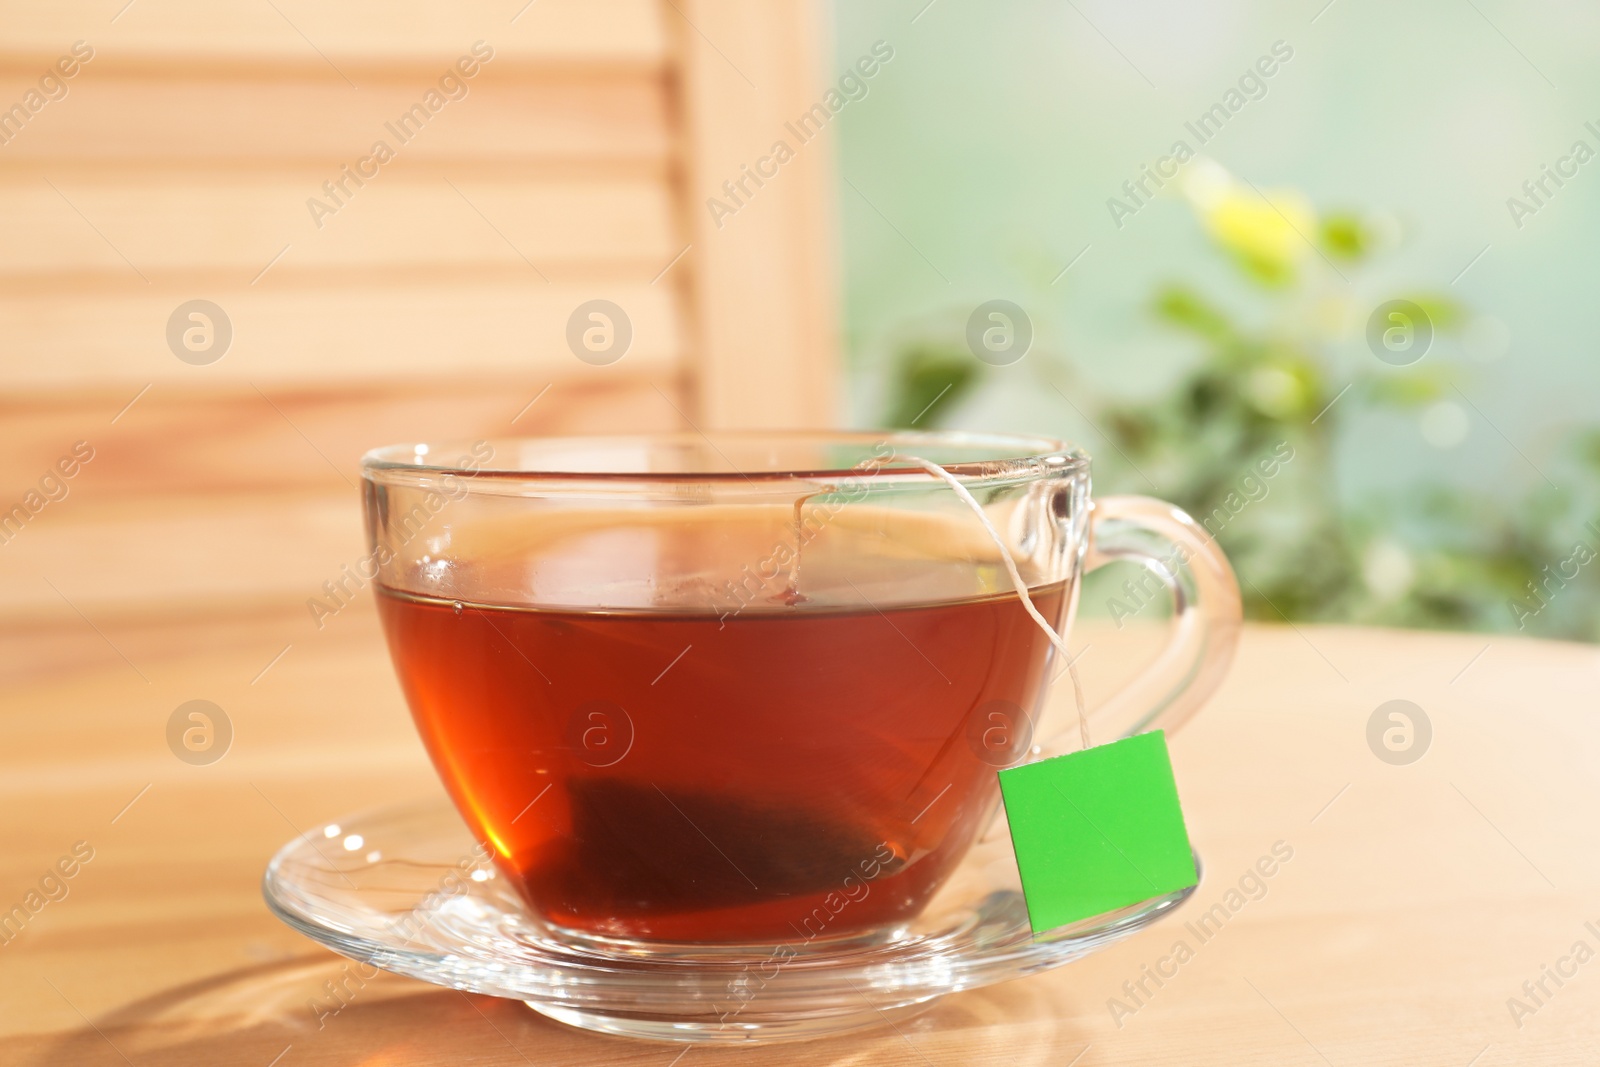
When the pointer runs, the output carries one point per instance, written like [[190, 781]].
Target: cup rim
[[1019, 455]]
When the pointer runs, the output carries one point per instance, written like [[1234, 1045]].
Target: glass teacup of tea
[[751, 688]]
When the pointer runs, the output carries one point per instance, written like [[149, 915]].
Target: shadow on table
[[280, 1013]]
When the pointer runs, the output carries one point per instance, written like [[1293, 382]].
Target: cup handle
[[1183, 557]]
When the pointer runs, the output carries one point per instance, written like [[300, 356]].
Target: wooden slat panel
[[181, 119], [235, 222], [251, 441], [167, 551], [288, 335], [546, 29], [179, 166], [765, 278], [190, 504]]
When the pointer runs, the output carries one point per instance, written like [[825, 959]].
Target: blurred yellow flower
[[1270, 231], [1275, 392]]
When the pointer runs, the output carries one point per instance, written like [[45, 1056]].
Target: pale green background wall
[[993, 138]]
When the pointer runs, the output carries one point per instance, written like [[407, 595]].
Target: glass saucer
[[406, 889]]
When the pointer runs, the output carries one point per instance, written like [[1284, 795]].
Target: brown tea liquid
[[688, 777]]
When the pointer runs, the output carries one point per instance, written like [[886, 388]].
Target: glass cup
[[740, 689]]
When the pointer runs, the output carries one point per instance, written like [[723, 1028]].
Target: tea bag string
[[1056, 639]]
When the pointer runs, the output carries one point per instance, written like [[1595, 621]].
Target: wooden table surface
[[1418, 900]]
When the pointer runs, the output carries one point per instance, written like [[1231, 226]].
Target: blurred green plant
[[929, 378], [1267, 385]]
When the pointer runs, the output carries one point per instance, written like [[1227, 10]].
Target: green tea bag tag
[[1097, 830]]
